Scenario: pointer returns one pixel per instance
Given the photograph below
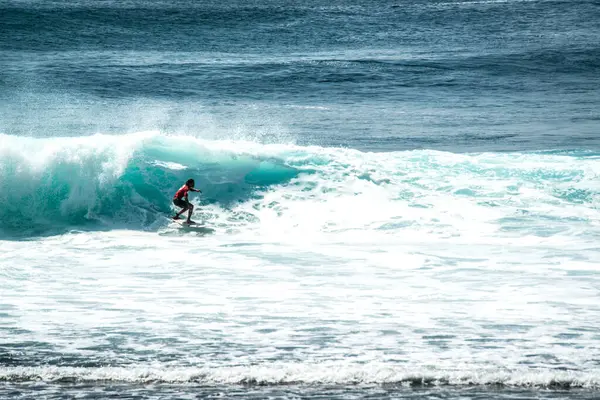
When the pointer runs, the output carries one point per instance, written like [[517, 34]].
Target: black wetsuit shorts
[[181, 203]]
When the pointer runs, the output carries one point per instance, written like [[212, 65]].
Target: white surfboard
[[193, 226], [183, 222]]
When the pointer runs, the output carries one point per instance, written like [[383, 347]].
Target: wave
[[329, 373], [127, 181]]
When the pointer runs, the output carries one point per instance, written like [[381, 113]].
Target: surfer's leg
[[181, 204], [191, 210]]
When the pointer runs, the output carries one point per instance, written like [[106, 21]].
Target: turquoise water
[[127, 181]]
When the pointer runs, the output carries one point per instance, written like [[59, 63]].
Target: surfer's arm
[[196, 190]]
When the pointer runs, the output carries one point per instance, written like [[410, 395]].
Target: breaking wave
[[127, 181]]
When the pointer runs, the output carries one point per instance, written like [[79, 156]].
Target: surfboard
[[194, 226], [183, 222]]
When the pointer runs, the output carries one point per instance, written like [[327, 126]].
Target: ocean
[[400, 199]]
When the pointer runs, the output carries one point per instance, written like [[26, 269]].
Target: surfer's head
[[190, 183]]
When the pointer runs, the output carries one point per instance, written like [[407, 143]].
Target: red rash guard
[[182, 192]]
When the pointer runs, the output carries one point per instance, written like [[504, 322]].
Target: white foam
[[169, 165], [334, 373], [387, 267]]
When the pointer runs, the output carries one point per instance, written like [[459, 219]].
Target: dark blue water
[[384, 76], [451, 75]]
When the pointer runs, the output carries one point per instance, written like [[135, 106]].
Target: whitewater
[[316, 265]]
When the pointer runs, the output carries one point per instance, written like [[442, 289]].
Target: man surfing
[[185, 205]]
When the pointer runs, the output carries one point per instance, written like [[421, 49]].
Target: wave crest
[[126, 180], [325, 373]]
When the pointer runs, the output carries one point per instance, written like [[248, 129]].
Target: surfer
[[181, 200]]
